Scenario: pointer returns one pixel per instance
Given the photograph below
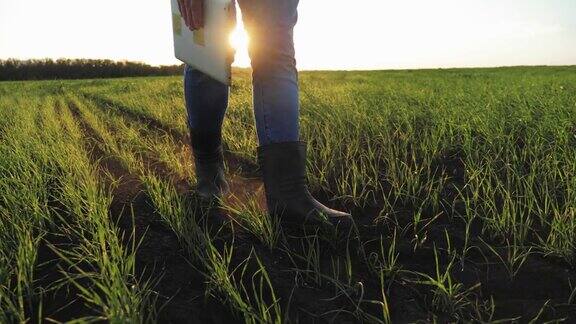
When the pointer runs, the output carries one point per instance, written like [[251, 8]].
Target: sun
[[239, 40]]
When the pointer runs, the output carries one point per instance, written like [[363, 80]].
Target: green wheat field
[[462, 184]]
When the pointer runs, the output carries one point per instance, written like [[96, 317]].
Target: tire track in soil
[[160, 256]]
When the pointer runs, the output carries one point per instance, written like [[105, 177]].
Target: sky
[[330, 34]]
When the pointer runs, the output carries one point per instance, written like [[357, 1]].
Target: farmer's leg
[[206, 103], [282, 157], [270, 24]]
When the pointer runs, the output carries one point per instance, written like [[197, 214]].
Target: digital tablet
[[207, 49]]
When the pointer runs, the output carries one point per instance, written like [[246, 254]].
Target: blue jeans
[[270, 24]]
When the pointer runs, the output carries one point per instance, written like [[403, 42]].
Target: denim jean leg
[[206, 101], [270, 24]]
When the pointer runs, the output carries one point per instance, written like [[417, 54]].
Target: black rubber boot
[[283, 167], [209, 163]]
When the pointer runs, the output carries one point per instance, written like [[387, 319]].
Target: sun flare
[[239, 40]]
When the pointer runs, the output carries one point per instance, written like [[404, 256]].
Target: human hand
[[193, 13]]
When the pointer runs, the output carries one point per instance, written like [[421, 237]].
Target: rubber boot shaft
[[209, 164], [283, 167]]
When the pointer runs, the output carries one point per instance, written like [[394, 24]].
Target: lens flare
[[239, 40]]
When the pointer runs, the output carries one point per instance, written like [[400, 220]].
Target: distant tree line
[[41, 69]]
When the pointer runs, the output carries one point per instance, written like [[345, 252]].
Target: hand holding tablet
[[201, 31]]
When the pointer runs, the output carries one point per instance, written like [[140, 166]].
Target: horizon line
[[310, 69]]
